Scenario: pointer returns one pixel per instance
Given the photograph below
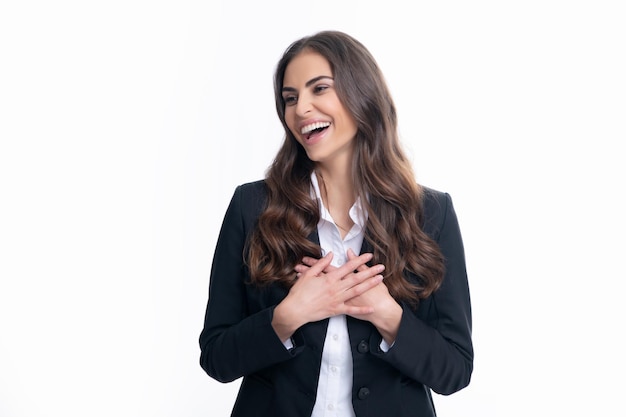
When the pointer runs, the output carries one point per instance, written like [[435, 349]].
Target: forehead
[[304, 67]]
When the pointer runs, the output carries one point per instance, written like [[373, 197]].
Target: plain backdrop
[[126, 125]]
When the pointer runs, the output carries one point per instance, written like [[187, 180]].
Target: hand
[[371, 298], [326, 288], [386, 313], [323, 291]]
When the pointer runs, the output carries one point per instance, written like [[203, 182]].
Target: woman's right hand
[[321, 292]]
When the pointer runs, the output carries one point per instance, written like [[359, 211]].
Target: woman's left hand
[[387, 312]]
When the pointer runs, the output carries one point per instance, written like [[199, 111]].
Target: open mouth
[[314, 129]]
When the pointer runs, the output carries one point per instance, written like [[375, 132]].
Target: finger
[[363, 287], [321, 264], [356, 278], [354, 263], [301, 269], [309, 261], [352, 255]]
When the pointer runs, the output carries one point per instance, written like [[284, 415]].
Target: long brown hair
[[382, 175]]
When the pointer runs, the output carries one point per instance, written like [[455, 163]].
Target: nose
[[304, 105]]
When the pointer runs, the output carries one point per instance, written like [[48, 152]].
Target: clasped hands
[[348, 289], [323, 290]]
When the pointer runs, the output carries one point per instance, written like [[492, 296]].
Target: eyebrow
[[308, 83]]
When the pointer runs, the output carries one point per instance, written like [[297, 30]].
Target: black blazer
[[433, 348]]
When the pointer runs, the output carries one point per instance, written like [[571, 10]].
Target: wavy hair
[[382, 175]]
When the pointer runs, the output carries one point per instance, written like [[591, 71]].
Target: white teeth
[[318, 125]]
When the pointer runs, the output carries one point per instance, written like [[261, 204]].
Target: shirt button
[[335, 336], [363, 347], [363, 393], [333, 369], [331, 407]]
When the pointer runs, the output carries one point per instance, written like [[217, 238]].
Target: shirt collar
[[357, 213]]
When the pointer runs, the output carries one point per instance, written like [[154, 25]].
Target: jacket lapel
[[366, 247]]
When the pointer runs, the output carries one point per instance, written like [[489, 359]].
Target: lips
[[312, 130], [314, 134]]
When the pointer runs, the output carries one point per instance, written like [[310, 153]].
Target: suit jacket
[[433, 349]]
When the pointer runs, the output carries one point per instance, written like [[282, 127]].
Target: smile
[[309, 130]]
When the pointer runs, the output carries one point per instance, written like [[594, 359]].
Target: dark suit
[[433, 348]]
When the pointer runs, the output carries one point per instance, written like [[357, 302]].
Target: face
[[313, 112]]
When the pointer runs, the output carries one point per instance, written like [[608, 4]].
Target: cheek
[[290, 121], [348, 124], [343, 116]]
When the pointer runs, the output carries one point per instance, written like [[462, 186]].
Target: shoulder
[[433, 200], [250, 198], [254, 189], [436, 210]]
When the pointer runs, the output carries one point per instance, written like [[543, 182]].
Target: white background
[[126, 125]]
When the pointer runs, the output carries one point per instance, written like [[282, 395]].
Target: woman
[[338, 285]]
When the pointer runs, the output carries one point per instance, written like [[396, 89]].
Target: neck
[[337, 174], [336, 182], [338, 196]]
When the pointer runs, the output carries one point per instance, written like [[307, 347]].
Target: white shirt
[[334, 391]]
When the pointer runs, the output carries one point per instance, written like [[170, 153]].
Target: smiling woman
[[313, 112], [338, 282]]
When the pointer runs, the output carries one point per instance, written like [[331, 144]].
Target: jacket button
[[363, 347], [363, 393]]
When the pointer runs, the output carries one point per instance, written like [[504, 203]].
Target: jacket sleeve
[[234, 342], [434, 344]]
